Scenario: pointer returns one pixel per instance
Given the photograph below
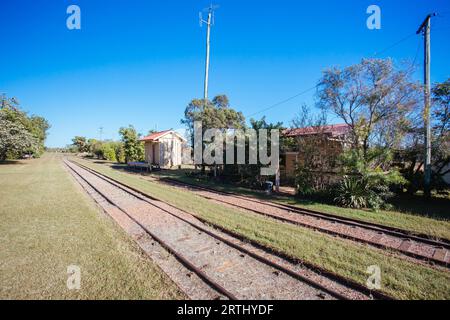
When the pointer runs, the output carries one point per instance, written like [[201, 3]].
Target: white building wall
[[167, 152]]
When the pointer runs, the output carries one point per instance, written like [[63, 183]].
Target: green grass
[[48, 223], [416, 214], [400, 278]]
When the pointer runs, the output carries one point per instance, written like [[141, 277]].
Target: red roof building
[[334, 130], [335, 142], [164, 148], [155, 136]]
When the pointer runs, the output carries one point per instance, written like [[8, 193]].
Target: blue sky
[[140, 62]]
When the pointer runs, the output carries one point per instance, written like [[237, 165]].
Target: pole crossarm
[[424, 23]]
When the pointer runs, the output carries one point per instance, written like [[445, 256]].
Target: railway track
[[417, 246], [232, 268]]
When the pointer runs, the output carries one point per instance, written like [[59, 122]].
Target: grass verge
[[48, 223], [400, 278]]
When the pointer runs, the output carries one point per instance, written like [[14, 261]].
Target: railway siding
[[413, 246]]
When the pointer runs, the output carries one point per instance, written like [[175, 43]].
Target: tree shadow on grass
[[120, 167], [437, 207], [10, 162]]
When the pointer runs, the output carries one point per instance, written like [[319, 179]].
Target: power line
[[417, 53], [283, 101], [394, 45], [315, 86]]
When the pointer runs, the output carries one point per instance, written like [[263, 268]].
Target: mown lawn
[[400, 278], [413, 213], [47, 223]]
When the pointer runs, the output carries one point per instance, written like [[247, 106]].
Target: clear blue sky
[[141, 62]]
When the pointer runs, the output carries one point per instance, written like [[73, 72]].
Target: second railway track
[[418, 247], [230, 266]]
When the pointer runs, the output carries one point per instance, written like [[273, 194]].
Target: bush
[[368, 190], [354, 193], [108, 151], [316, 185], [120, 152], [304, 182]]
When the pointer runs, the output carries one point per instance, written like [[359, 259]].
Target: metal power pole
[[208, 33], [425, 30], [209, 22]]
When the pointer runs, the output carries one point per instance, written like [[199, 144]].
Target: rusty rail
[[176, 254], [394, 232]]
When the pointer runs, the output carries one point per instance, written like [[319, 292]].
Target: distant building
[[164, 149], [333, 141]]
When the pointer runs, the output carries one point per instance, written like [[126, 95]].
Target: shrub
[[304, 182], [367, 190], [120, 152], [108, 151], [353, 192]]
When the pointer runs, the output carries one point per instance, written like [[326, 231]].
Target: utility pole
[[209, 22], [101, 132], [425, 29], [208, 33]]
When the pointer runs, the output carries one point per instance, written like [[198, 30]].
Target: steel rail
[[328, 216], [319, 215], [217, 287]]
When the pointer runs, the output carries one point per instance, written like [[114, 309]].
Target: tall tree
[[375, 100], [133, 148], [81, 143], [37, 126], [15, 139], [441, 128], [215, 114], [412, 151]]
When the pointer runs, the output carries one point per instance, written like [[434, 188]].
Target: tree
[[36, 125], [375, 100], [378, 102], [120, 152], [94, 147], [215, 114], [108, 151], [133, 148], [15, 139], [441, 128], [412, 152], [315, 160], [252, 172], [80, 143]]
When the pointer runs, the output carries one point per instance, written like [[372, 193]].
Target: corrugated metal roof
[[155, 136], [334, 130]]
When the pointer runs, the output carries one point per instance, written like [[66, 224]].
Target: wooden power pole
[[425, 30]]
